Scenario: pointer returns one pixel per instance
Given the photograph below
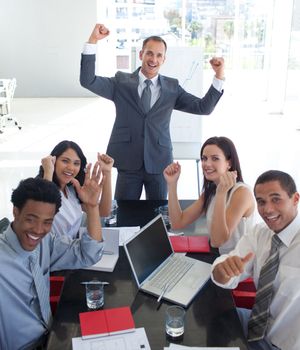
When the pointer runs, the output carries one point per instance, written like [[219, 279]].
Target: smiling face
[[214, 163], [152, 57], [33, 222], [67, 166], [275, 206]]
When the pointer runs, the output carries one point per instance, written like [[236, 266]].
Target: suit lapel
[[133, 82], [162, 95]]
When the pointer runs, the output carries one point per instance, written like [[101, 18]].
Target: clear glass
[[94, 295], [175, 321], [164, 211], [111, 220]]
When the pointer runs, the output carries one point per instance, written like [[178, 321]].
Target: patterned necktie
[[40, 286], [260, 313], [146, 96]]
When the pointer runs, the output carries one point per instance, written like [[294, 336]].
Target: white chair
[[3, 102], [7, 91]]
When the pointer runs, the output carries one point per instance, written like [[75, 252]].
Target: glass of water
[[175, 321], [111, 220], [94, 292], [164, 211]]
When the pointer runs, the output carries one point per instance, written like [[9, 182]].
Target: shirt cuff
[[89, 49], [84, 234], [218, 84]]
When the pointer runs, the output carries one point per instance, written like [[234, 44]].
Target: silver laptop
[[160, 271]]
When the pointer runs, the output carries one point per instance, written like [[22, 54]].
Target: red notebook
[[190, 244], [106, 322]]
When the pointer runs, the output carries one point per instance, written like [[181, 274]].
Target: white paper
[[136, 340], [124, 232], [111, 251], [183, 347], [127, 232], [175, 233]]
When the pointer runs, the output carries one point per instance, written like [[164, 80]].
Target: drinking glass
[[94, 292], [111, 220], [175, 321]]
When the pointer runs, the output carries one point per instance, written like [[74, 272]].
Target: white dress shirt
[[20, 319], [284, 324], [91, 49], [68, 220], [154, 87]]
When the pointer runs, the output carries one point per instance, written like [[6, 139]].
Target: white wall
[[41, 43]]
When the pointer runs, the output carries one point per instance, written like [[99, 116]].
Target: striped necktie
[[40, 286], [146, 96], [260, 313]]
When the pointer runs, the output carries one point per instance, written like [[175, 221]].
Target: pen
[[94, 282], [163, 292], [107, 252]]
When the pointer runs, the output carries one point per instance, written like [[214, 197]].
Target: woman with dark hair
[[226, 201], [66, 162]]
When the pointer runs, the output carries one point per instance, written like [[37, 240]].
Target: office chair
[[56, 284], [3, 100], [4, 222], [7, 91], [244, 294]]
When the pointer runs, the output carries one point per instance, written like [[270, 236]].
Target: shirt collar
[[289, 233], [142, 78]]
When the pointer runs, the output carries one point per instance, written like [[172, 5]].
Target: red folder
[[106, 322], [190, 244]]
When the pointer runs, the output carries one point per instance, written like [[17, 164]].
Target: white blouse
[[68, 220], [244, 225]]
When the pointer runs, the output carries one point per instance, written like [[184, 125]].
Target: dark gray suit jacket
[[137, 137]]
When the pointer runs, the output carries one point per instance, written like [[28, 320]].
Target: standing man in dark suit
[[140, 141]]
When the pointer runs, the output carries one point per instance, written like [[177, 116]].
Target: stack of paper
[[135, 340], [111, 251], [183, 347], [127, 232], [113, 238]]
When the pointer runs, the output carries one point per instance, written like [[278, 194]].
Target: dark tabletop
[[211, 319]]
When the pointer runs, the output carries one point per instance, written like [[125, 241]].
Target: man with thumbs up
[[269, 254]]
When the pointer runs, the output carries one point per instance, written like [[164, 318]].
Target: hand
[[106, 162], [218, 65], [172, 172], [227, 181], [231, 267], [99, 32], [91, 190], [48, 164]]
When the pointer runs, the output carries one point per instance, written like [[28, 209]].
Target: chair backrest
[[7, 94], [56, 285], [244, 294], [3, 224], [11, 88]]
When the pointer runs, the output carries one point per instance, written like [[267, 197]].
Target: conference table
[[211, 319]]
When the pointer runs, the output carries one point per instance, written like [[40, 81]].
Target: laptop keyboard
[[168, 276]]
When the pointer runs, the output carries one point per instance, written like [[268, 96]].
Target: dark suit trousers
[[130, 184]]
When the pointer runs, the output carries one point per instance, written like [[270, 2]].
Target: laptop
[[161, 272]]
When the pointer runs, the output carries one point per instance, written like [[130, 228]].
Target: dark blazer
[[137, 137]]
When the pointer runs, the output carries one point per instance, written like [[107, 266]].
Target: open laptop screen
[[149, 248]]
